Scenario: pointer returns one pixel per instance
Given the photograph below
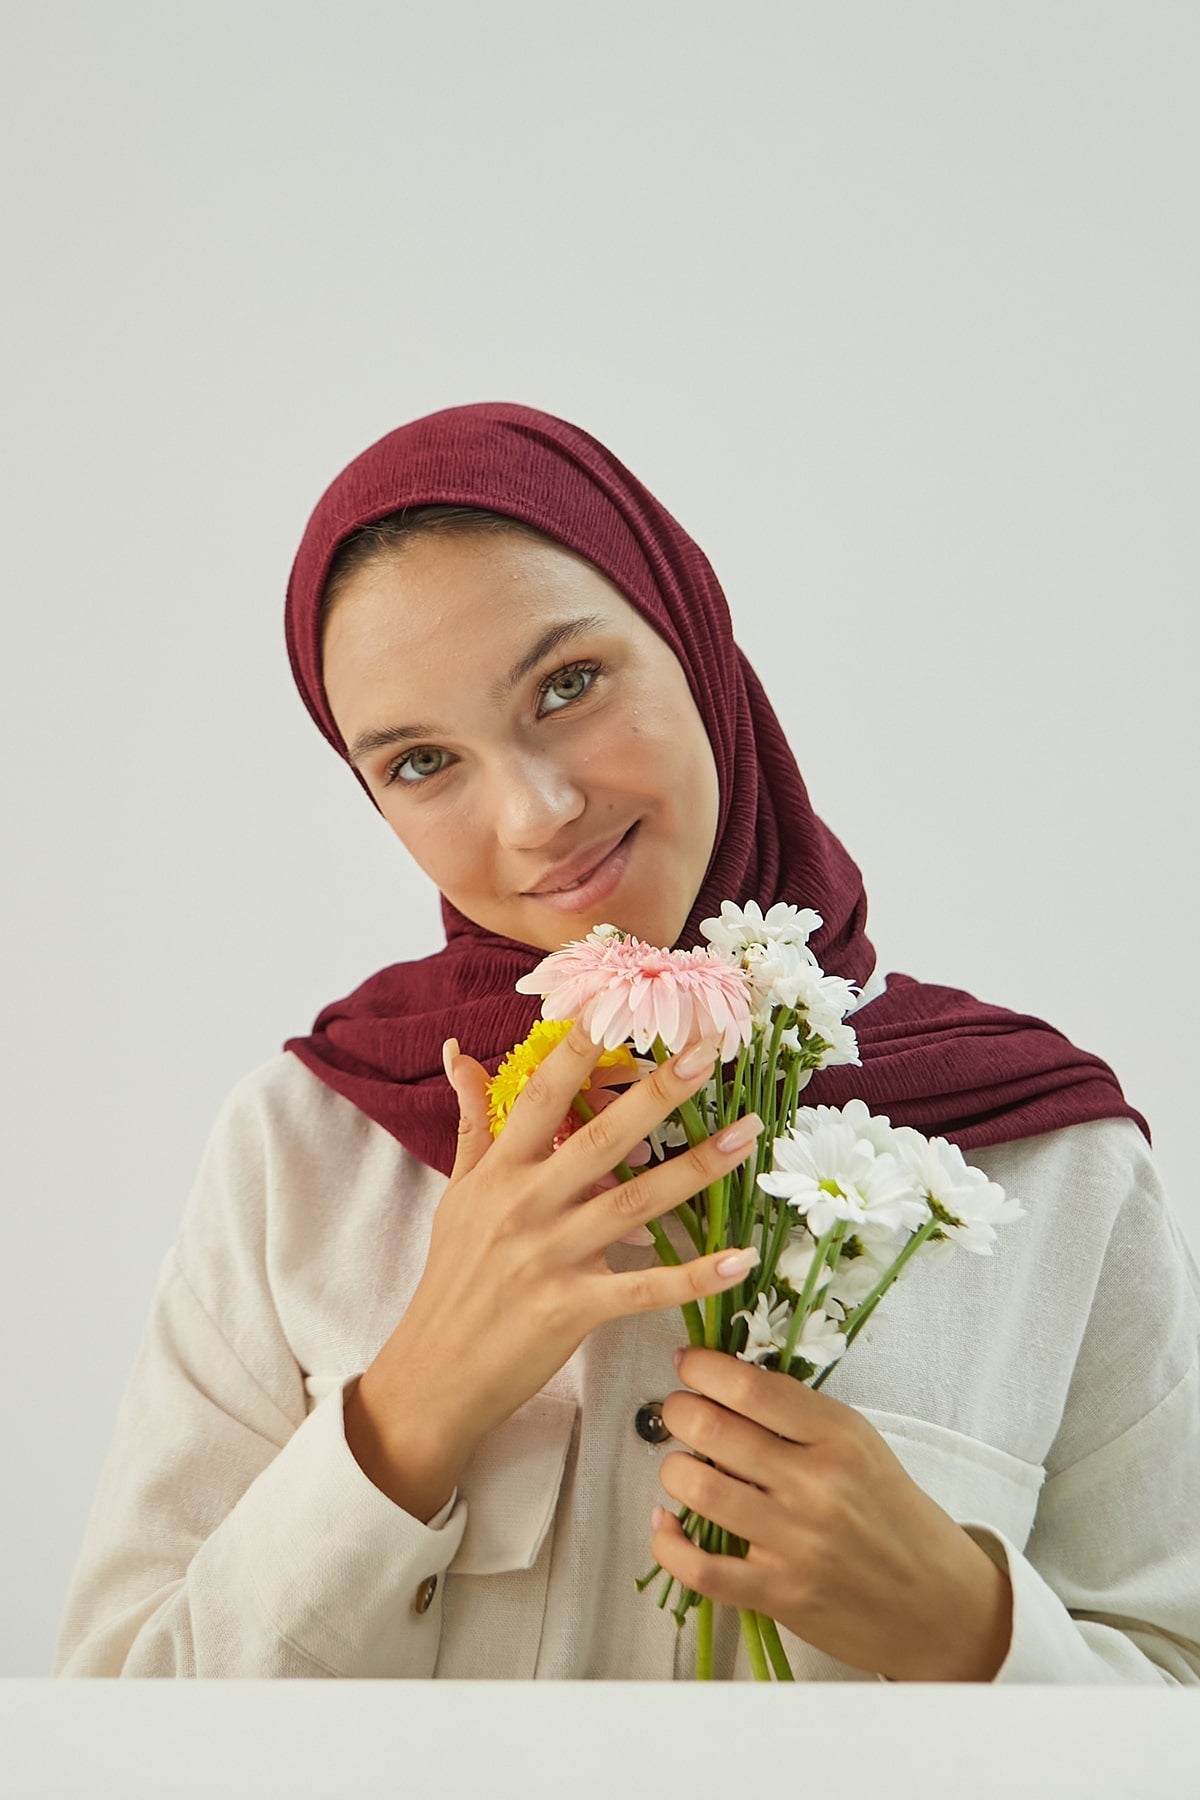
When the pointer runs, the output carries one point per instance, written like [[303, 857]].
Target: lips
[[575, 872]]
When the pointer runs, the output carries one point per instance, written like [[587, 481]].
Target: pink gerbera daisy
[[621, 989]]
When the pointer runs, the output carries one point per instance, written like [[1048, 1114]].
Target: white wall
[[893, 306]]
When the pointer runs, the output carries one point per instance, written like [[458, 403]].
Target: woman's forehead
[[494, 584]]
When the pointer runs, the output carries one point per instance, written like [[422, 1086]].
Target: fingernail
[[657, 1517], [695, 1061], [739, 1135], [739, 1262], [450, 1055], [677, 1358]]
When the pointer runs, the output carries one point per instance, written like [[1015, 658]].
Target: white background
[[892, 305]]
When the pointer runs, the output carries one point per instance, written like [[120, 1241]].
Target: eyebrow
[[553, 638]]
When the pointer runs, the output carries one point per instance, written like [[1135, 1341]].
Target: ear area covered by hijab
[[932, 1057]]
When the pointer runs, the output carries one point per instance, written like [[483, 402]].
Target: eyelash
[[594, 669]]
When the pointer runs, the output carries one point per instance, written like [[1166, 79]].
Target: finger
[[731, 1580], [667, 1285], [469, 1080], [606, 1140], [770, 1398], [543, 1103], [614, 1211], [737, 1445], [720, 1498]]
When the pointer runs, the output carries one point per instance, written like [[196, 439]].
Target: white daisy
[[875, 1127], [966, 1204], [820, 1342], [832, 1173], [840, 1039], [856, 1276], [767, 1326], [740, 926]]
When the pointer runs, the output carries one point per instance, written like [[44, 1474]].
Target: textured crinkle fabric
[[933, 1057]]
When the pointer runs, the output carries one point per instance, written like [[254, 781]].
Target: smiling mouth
[[604, 874], [568, 887], [583, 879]]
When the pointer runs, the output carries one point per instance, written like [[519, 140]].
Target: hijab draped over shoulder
[[933, 1057]]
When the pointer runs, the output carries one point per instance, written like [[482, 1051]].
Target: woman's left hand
[[844, 1548]]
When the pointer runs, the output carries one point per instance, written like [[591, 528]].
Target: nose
[[533, 798]]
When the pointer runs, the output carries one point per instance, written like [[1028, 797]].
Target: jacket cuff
[[1046, 1645], [338, 1567]]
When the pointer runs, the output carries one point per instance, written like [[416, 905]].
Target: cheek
[[443, 847], [665, 752], [683, 755]]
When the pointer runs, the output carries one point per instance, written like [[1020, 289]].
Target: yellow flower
[[524, 1058]]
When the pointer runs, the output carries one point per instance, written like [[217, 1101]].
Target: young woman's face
[[523, 729]]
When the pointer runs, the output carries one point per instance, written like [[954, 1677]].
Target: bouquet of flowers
[[837, 1201]]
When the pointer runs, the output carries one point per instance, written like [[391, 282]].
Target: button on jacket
[[1047, 1397]]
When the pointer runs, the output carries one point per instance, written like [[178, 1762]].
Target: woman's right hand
[[516, 1274]]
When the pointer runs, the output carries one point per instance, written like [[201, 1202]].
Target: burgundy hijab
[[933, 1057]]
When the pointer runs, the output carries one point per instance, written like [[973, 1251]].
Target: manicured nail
[[695, 1061], [739, 1262], [450, 1055], [739, 1135]]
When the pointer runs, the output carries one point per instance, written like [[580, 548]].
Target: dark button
[[649, 1422], [424, 1594]]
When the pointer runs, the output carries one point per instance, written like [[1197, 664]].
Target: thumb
[[469, 1080]]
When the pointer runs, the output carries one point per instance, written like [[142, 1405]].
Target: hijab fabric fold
[[933, 1057]]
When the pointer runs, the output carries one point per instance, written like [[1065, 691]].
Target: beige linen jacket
[[1047, 1397]]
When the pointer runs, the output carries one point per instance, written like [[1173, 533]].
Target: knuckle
[[577, 1051], [669, 1471], [602, 1134], [662, 1087], [712, 1432], [704, 1484], [627, 1199], [536, 1091], [642, 1290], [712, 1161], [744, 1386], [699, 1276]]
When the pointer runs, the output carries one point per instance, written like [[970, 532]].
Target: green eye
[[414, 765], [568, 684]]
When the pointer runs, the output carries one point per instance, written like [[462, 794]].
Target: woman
[[385, 1423]]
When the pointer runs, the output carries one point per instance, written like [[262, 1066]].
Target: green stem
[[863, 1312], [774, 1648], [753, 1642], [704, 1640], [826, 1252], [783, 1221], [733, 1101], [771, 1116], [765, 1272]]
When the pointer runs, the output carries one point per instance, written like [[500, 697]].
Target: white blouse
[[1047, 1397]]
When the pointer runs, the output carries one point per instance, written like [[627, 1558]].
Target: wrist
[[401, 1452], [970, 1631]]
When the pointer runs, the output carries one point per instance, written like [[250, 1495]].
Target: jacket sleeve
[[232, 1533], [1108, 1586]]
